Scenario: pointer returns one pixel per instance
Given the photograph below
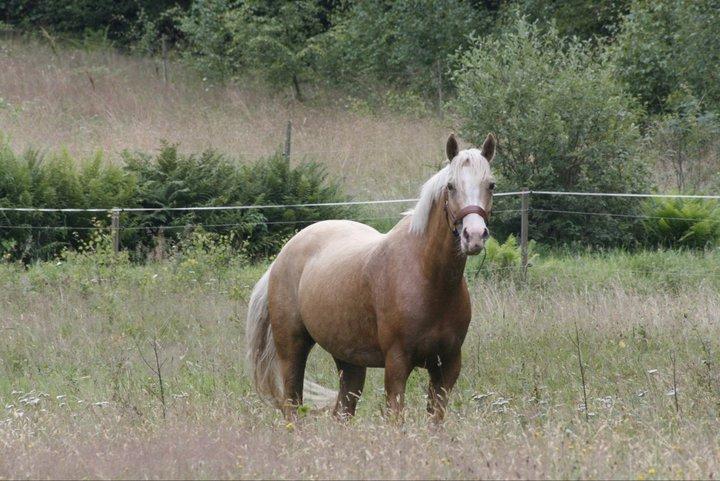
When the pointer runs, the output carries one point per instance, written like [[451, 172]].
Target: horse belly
[[336, 310]]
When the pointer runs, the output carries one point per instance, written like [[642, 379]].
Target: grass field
[[79, 399]]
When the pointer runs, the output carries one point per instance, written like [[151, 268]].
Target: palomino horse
[[397, 300]]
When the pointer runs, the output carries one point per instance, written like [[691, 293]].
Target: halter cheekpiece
[[454, 220]]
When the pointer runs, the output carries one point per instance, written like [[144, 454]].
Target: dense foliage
[[693, 223], [563, 123], [667, 45], [166, 180], [584, 95]]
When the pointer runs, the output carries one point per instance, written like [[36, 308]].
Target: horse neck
[[440, 257]]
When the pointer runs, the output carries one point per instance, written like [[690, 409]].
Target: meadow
[[115, 369], [81, 396], [88, 99]]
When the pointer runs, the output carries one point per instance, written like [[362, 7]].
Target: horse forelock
[[467, 162]]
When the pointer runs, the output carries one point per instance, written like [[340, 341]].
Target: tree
[[271, 39], [665, 44], [405, 42], [563, 123]]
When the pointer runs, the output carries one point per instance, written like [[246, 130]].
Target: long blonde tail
[[262, 353], [260, 345]]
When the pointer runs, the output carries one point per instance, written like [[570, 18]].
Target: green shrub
[[499, 258], [161, 182], [584, 19], [115, 19], [55, 181], [684, 143], [563, 123], [171, 179], [692, 223]]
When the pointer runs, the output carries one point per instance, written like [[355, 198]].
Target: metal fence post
[[525, 207], [288, 139], [115, 229]]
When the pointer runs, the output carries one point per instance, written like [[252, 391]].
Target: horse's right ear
[[452, 149]]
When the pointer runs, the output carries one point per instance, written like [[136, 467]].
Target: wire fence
[[523, 211]]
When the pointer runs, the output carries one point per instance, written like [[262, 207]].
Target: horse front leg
[[444, 372], [352, 381], [398, 367]]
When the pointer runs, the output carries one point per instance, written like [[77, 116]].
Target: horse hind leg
[[352, 381], [292, 355]]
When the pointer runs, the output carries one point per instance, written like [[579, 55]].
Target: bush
[[692, 223], [500, 258], [584, 19], [171, 180], [563, 123], [167, 180], [57, 181]]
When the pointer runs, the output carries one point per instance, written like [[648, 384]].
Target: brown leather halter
[[454, 220]]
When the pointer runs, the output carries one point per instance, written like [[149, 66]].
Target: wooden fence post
[[525, 207], [115, 229], [164, 59], [288, 139]]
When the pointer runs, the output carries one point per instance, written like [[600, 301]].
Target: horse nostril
[[486, 233], [466, 235]]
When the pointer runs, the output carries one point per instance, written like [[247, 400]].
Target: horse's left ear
[[488, 148], [451, 148]]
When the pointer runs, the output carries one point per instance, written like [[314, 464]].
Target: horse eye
[[450, 187], [492, 185]]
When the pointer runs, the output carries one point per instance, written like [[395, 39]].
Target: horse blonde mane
[[433, 189]]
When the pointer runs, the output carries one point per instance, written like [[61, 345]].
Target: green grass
[[79, 400]]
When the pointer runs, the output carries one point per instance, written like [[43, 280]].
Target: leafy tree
[[563, 123], [271, 39], [581, 18], [117, 18], [685, 142], [665, 44], [405, 42]]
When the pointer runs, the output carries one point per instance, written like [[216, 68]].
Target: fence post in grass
[[163, 42], [288, 139], [115, 229], [525, 207]]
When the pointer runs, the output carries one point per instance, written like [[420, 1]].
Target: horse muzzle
[[473, 234]]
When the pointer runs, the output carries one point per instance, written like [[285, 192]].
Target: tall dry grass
[[89, 99], [77, 399]]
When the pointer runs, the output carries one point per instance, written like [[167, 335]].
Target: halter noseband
[[454, 220]]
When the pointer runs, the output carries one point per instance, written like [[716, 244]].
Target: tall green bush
[[171, 179], [563, 123], [116, 19], [56, 181], [161, 183]]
